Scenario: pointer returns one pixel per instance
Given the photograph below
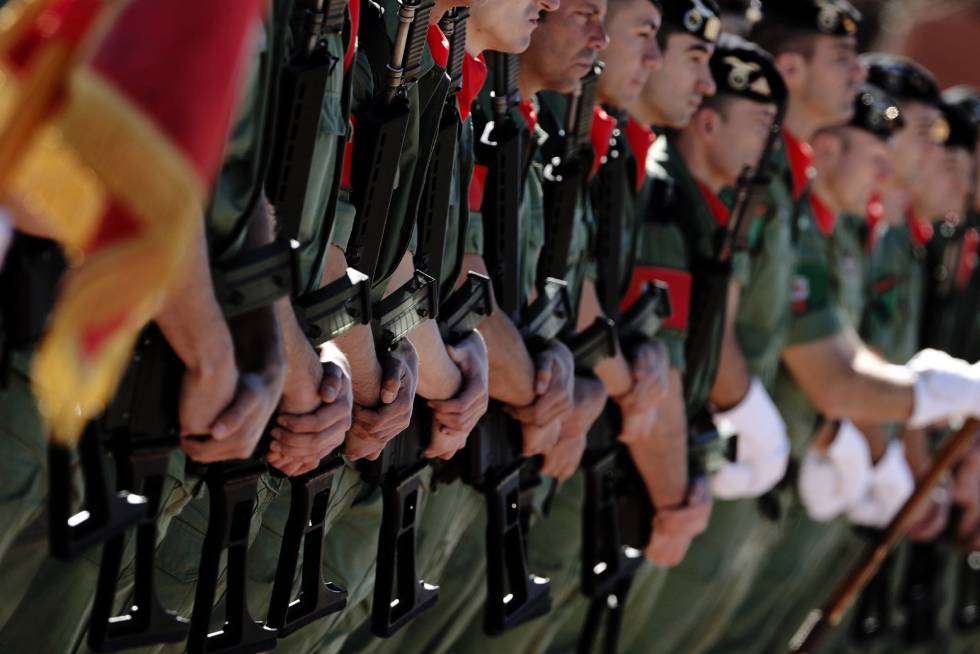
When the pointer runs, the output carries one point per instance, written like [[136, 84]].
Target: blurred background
[[943, 35]]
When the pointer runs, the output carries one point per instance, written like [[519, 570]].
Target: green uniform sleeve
[[663, 248]]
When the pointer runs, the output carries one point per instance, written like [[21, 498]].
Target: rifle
[[617, 513], [491, 460], [822, 620]]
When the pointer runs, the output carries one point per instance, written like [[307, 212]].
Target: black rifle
[[491, 460], [323, 314], [617, 513]]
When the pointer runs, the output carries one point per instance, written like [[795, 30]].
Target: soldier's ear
[[706, 122], [793, 67]]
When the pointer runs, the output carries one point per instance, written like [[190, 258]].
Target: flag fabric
[[113, 118]]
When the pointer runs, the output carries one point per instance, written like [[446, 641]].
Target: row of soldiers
[[528, 325]]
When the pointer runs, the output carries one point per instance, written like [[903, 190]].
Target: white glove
[[944, 388], [763, 447], [830, 483], [891, 485]]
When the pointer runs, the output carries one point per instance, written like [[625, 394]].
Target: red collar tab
[[718, 208], [603, 126], [920, 230], [641, 139], [438, 46], [875, 217], [824, 216], [474, 77], [354, 9], [526, 107], [478, 182], [800, 156], [678, 283], [968, 258]]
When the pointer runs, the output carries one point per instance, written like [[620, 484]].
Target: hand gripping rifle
[[399, 596], [378, 148], [491, 460], [616, 514]]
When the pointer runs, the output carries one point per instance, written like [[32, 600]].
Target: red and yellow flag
[[112, 124]]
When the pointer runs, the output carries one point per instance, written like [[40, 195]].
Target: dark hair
[[776, 37], [665, 32]]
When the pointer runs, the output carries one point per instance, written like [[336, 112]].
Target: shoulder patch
[[800, 293]]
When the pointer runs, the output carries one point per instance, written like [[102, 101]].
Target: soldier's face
[[852, 163], [504, 25], [632, 53], [942, 190], [915, 143], [738, 135], [674, 93], [563, 48], [832, 78]]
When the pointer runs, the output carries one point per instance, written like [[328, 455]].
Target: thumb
[[331, 385], [543, 377], [391, 380]]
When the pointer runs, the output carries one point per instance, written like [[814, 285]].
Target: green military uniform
[[851, 237], [445, 509], [678, 241]]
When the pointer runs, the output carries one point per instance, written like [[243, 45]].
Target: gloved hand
[[763, 447], [891, 485], [832, 482], [945, 387]]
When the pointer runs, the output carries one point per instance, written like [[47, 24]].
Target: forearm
[[662, 459], [733, 379], [877, 436], [439, 377], [357, 345], [842, 379], [917, 451], [615, 375], [511, 368], [190, 318]]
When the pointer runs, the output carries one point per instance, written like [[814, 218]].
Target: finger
[[235, 416], [332, 384], [544, 375], [391, 384]]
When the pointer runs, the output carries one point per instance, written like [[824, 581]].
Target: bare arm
[[439, 378], [662, 459], [512, 371], [732, 383], [357, 344], [614, 372], [843, 379]]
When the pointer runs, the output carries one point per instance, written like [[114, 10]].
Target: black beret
[[966, 98], [876, 112], [960, 130], [701, 18], [743, 69], [834, 17], [901, 78]]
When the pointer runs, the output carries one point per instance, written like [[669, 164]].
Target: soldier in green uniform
[[866, 629], [680, 247], [825, 370]]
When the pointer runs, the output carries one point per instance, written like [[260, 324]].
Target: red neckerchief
[[526, 107], [438, 46], [824, 216], [474, 77], [718, 208], [354, 7], [800, 156], [920, 230], [602, 129], [968, 258], [640, 138]]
